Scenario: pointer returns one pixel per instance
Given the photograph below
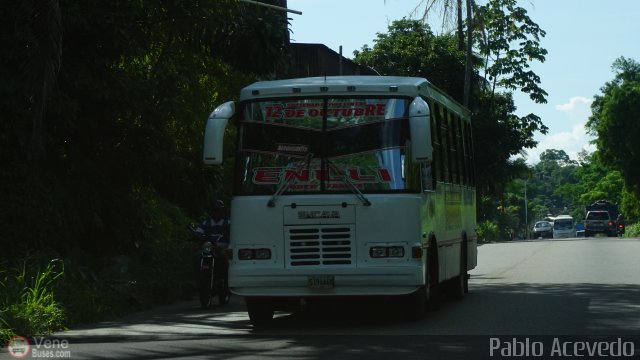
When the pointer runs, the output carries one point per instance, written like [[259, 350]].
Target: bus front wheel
[[415, 305], [260, 311], [433, 278]]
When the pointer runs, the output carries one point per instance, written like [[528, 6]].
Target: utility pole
[[526, 215]]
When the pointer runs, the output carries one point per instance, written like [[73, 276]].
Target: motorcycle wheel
[[224, 298], [224, 294], [205, 291], [205, 299]]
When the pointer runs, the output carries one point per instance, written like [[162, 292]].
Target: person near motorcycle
[[216, 225]]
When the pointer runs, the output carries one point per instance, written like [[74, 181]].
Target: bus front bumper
[[322, 283]]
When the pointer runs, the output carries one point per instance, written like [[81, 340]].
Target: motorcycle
[[620, 230], [212, 280]]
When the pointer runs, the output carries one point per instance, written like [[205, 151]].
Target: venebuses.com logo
[[19, 347]]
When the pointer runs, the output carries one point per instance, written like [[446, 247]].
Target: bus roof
[[350, 86]]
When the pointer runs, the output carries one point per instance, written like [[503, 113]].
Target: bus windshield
[[323, 144], [563, 224]]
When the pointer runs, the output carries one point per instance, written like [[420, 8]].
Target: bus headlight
[[245, 254], [396, 251], [254, 254], [377, 252], [262, 254], [207, 247]]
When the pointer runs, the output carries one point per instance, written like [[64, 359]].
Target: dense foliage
[[616, 121], [509, 41], [558, 185], [103, 107], [411, 49]]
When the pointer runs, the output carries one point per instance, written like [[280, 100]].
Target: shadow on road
[[572, 309], [367, 327]]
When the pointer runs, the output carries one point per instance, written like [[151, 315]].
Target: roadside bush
[[163, 268], [632, 230], [488, 231], [27, 302], [506, 224], [155, 269]]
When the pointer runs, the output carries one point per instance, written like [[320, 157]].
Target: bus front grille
[[320, 245]]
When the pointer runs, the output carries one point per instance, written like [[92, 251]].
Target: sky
[[583, 39]]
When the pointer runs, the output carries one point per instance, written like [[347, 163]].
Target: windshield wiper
[[285, 184], [352, 186]]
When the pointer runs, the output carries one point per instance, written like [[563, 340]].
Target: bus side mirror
[[214, 133], [420, 126]]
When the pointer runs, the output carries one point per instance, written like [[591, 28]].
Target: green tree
[[502, 25], [552, 187], [560, 157], [593, 181], [558, 185], [597, 181], [617, 126], [32, 43], [410, 48], [626, 71], [135, 85], [630, 206], [494, 119]]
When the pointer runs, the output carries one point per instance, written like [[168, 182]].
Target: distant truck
[[601, 218]]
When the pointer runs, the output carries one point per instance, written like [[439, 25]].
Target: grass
[[27, 302]]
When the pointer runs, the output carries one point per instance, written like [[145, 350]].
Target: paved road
[[574, 287]]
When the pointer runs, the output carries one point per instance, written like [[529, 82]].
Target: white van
[[564, 227]]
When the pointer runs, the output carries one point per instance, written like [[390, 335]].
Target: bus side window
[[470, 154], [462, 174], [453, 148], [466, 142], [426, 176], [435, 140], [443, 133]]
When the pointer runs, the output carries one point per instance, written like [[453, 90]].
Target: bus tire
[[459, 284], [433, 286], [260, 311], [415, 304]]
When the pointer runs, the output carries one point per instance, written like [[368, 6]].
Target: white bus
[[348, 186], [564, 227]]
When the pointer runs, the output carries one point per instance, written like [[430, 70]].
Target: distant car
[[599, 222], [543, 229]]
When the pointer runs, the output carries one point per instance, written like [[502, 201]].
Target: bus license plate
[[321, 282]]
